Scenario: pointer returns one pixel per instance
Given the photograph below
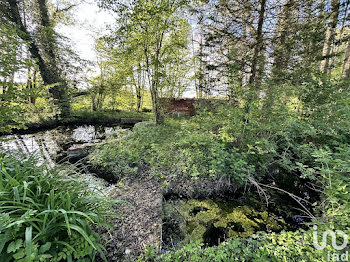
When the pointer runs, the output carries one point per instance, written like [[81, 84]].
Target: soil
[[141, 224]]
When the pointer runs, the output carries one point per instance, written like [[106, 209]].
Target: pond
[[212, 221], [52, 145]]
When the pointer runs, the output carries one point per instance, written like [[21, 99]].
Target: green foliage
[[176, 148], [218, 143], [285, 246], [151, 47], [48, 214], [13, 102], [291, 145]]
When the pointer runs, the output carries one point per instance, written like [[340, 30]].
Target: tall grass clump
[[48, 214]]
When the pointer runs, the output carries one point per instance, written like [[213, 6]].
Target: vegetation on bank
[[327, 168], [288, 148], [284, 246], [48, 214], [285, 127]]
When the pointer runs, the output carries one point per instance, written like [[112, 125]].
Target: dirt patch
[[141, 224]]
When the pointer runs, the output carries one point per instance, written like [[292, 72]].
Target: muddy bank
[[167, 216], [52, 124]]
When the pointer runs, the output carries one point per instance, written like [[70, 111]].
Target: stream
[[52, 145], [209, 220]]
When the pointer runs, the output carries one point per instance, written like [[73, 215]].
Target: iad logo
[[334, 239], [332, 234]]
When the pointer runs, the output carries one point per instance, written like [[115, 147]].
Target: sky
[[89, 20]]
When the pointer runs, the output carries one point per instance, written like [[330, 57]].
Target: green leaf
[[3, 239], [44, 257], [45, 248], [28, 240], [14, 246], [64, 212], [83, 233], [20, 254]]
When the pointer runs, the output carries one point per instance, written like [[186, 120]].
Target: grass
[[109, 115], [48, 214]]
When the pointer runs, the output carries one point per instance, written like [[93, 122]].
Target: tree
[[330, 36], [42, 44], [152, 25], [346, 65], [13, 60], [258, 46], [282, 51]]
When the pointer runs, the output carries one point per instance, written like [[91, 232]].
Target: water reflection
[[53, 144]]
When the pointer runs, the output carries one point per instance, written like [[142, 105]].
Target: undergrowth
[[48, 214], [293, 145]]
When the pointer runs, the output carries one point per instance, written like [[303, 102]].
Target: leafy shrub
[[176, 148], [47, 214], [310, 149], [284, 246]]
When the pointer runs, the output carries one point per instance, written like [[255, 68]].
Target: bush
[[178, 148], [311, 150], [285, 246], [47, 214]]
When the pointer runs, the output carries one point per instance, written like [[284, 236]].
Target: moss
[[249, 219], [196, 217], [197, 234], [199, 211]]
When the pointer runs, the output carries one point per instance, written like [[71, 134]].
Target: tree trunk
[[93, 103], [330, 36], [346, 65], [32, 98], [258, 45], [153, 77], [154, 91], [31, 84], [49, 40], [254, 79], [48, 75], [138, 99], [281, 52], [201, 69], [138, 88]]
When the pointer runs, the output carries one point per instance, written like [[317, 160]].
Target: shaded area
[[32, 128], [214, 221]]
